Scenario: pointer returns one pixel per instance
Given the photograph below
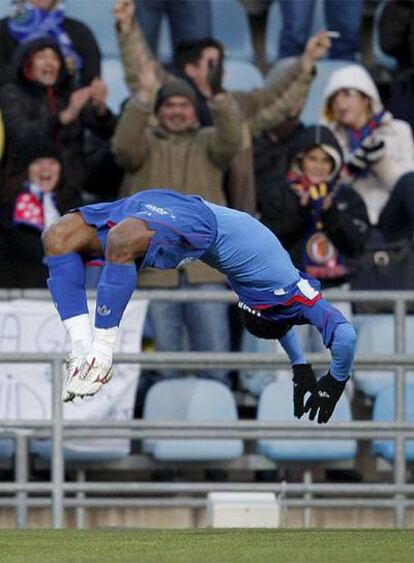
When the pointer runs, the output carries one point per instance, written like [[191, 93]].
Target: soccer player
[[163, 229]]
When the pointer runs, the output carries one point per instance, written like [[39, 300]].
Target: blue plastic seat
[[376, 336], [241, 75], [380, 58], [313, 107], [384, 409], [113, 75], [97, 15], [5, 8], [43, 449], [276, 404], [231, 27], [7, 448], [191, 399], [274, 24]]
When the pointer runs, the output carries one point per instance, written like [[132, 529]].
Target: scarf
[[319, 256], [34, 208], [30, 23]]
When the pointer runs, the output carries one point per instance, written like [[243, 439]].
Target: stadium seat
[[384, 409], [231, 27], [274, 26], [113, 75], [276, 404], [7, 448], [191, 399], [313, 107], [43, 449], [376, 336], [5, 7], [241, 75], [97, 15], [380, 58]]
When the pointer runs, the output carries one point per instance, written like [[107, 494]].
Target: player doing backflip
[[163, 229]]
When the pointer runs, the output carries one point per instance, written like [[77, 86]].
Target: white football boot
[[86, 378]]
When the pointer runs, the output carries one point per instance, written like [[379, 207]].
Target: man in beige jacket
[[161, 144], [262, 108]]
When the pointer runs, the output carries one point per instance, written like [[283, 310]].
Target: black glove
[[215, 77], [369, 152], [304, 381], [324, 397]]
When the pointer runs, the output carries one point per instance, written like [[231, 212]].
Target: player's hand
[[304, 381], [324, 397]]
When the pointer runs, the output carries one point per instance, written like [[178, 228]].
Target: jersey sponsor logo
[[103, 310], [245, 307], [159, 210], [323, 394]]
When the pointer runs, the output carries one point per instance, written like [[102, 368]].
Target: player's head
[[261, 327]]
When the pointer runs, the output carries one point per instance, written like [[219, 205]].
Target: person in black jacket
[[318, 218], [39, 201], [42, 101], [46, 18]]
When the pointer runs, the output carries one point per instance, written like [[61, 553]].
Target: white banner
[[26, 391]]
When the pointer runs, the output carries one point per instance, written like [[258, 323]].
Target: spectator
[[41, 101], [188, 19], [201, 64], [378, 149], [317, 217], [396, 32], [39, 201], [32, 19], [343, 17], [174, 152]]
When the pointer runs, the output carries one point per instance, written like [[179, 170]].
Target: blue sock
[[66, 284], [115, 288]]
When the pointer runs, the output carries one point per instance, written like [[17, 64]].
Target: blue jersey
[[258, 268], [184, 227]]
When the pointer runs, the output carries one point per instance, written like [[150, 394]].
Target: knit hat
[[175, 87], [39, 147]]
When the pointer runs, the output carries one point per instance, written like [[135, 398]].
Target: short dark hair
[[191, 51], [264, 328]]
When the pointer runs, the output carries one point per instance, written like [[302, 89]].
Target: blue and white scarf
[[31, 23]]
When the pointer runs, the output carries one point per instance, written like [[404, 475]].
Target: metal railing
[[397, 495]]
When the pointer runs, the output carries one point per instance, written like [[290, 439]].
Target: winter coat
[[83, 41], [375, 187], [396, 31], [190, 162], [344, 225], [30, 109], [262, 109]]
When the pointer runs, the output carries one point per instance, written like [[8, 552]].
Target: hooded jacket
[[30, 109], [376, 186], [341, 229]]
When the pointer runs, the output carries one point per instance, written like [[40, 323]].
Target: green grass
[[206, 546]]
